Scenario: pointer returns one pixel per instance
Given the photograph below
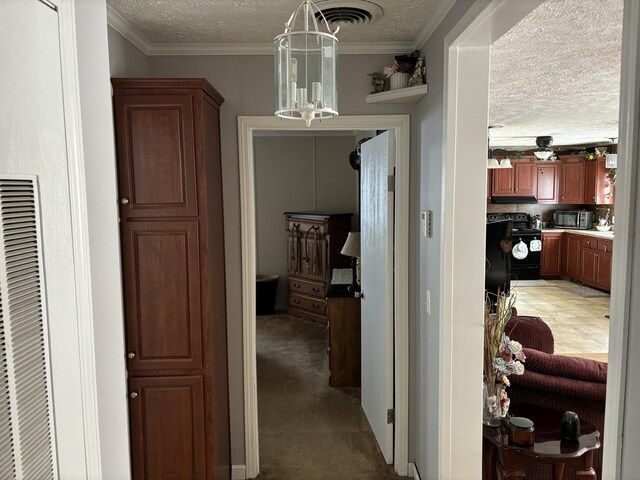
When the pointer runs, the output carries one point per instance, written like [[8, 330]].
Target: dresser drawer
[[314, 289], [314, 305], [305, 225]]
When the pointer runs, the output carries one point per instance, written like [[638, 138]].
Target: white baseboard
[[412, 470], [238, 472]]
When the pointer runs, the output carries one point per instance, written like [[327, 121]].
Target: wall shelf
[[402, 95]]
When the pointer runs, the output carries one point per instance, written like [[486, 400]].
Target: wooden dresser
[[314, 241], [173, 267]]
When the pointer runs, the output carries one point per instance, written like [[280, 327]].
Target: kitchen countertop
[[591, 233]]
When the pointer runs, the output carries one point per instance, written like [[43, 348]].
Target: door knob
[[131, 355], [359, 295], [133, 394], [124, 201]]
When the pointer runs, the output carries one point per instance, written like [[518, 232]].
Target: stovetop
[[526, 231], [520, 222]]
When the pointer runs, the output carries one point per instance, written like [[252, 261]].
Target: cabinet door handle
[[124, 201], [133, 395], [606, 248], [131, 355]]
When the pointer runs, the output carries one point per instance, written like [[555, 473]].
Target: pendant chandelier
[[306, 67]]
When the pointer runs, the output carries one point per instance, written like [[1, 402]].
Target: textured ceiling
[[258, 21], [555, 73], [558, 73]]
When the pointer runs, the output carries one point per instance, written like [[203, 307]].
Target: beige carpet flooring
[[308, 430]]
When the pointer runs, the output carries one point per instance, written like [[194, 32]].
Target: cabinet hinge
[[391, 179], [391, 415]]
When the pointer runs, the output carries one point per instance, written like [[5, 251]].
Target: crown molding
[[441, 10], [351, 48], [124, 28]]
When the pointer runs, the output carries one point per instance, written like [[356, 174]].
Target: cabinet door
[[488, 186], [156, 157], [502, 182], [161, 270], [525, 182], [590, 173], [293, 255], [314, 258], [548, 183], [167, 427], [574, 256], [589, 265], [343, 315], [603, 278], [605, 190], [550, 265], [572, 182]]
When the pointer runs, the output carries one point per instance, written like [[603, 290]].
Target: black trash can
[[266, 288]]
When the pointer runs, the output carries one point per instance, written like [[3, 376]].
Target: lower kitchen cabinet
[[589, 269], [343, 316], [551, 261], [573, 256], [168, 427], [603, 277]]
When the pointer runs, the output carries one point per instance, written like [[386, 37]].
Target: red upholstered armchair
[[557, 382]]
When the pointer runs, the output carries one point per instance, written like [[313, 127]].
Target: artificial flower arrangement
[[502, 357], [397, 67]]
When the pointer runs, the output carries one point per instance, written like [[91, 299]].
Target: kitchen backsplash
[[546, 211]]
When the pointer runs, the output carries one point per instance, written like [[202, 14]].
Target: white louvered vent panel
[[30, 422], [7, 457]]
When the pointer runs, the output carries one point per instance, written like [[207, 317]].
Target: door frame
[[247, 125], [464, 148]]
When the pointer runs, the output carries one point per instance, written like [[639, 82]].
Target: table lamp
[[351, 249]]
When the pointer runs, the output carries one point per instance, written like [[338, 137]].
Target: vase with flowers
[[502, 357], [398, 74]]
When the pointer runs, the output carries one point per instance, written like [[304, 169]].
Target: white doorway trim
[[466, 107], [246, 127], [464, 148]]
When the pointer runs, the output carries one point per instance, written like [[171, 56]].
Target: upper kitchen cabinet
[[598, 184], [521, 180], [572, 176], [548, 182]]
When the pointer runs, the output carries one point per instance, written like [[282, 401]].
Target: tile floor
[[579, 325]]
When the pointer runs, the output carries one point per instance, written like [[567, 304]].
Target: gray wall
[[425, 347], [246, 82], [125, 60], [298, 174]]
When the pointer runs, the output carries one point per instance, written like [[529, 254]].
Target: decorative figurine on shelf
[[377, 81], [417, 77]]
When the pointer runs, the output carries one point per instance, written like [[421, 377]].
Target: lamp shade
[[543, 154], [351, 247], [492, 163], [505, 163], [306, 63]]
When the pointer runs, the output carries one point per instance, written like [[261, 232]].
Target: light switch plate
[[427, 223]]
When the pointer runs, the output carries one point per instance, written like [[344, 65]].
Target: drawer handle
[[296, 285], [589, 242], [316, 290], [296, 301], [315, 305]]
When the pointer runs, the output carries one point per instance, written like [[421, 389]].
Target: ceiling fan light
[[505, 163], [543, 154], [492, 163]]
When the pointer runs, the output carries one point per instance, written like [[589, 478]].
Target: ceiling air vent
[[347, 13]]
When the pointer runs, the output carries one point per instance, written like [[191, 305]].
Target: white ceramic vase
[[398, 80]]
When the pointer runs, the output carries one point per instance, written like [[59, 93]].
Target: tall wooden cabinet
[[314, 241], [170, 188]]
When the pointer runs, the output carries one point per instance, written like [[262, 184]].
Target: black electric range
[[527, 268]]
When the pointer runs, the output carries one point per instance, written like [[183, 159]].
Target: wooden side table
[[343, 317], [511, 461]]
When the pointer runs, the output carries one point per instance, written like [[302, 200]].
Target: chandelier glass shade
[[305, 65]]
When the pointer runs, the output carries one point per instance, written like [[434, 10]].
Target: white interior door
[[376, 226]]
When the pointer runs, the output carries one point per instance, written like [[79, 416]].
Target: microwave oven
[[580, 219]]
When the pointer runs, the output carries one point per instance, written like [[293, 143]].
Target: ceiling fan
[[544, 151]]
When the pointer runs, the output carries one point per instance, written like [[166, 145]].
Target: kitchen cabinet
[[489, 186], [521, 180], [173, 274], [598, 184], [314, 241], [343, 316], [548, 186], [597, 259], [572, 181], [551, 261], [573, 256]]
